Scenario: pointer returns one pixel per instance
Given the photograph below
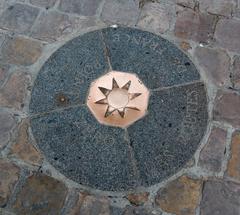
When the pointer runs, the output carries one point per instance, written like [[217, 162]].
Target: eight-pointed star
[[117, 99]]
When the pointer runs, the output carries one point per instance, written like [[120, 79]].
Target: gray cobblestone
[[226, 108], [220, 7], [195, 26], [83, 7], [227, 34], [236, 73], [14, 92], [186, 3], [20, 51], [120, 12], [53, 25], [156, 17], [7, 124], [4, 70], [220, 198], [18, 18], [216, 64], [212, 154], [43, 3]]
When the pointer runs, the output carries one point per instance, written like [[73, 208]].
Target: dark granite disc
[[110, 158]]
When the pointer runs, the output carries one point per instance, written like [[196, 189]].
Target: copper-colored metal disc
[[118, 99]]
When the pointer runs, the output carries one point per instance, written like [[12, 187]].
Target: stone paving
[[207, 31]]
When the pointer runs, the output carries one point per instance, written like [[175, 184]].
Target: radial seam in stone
[[133, 159], [165, 149], [56, 110], [106, 51], [83, 62], [176, 86], [126, 45]]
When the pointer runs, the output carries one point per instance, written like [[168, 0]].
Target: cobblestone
[[7, 124], [14, 92], [226, 108], [195, 26], [180, 196], [216, 63], [87, 204], [120, 12], [220, 7], [236, 12], [54, 25], [18, 18], [156, 17], [2, 38], [3, 73], [236, 73], [186, 3], [220, 198], [233, 169], [24, 148], [227, 34], [138, 198], [83, 7], [9, 175], [76, 205], [43, 3], [40, 194], [212, 154], [21, 51]]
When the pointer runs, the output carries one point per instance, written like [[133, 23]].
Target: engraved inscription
[[141, 41], [190, 119], [192, 107]]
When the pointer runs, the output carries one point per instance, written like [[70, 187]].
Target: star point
[[117, 106]]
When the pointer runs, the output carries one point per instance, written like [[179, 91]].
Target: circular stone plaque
[[112, 158]]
